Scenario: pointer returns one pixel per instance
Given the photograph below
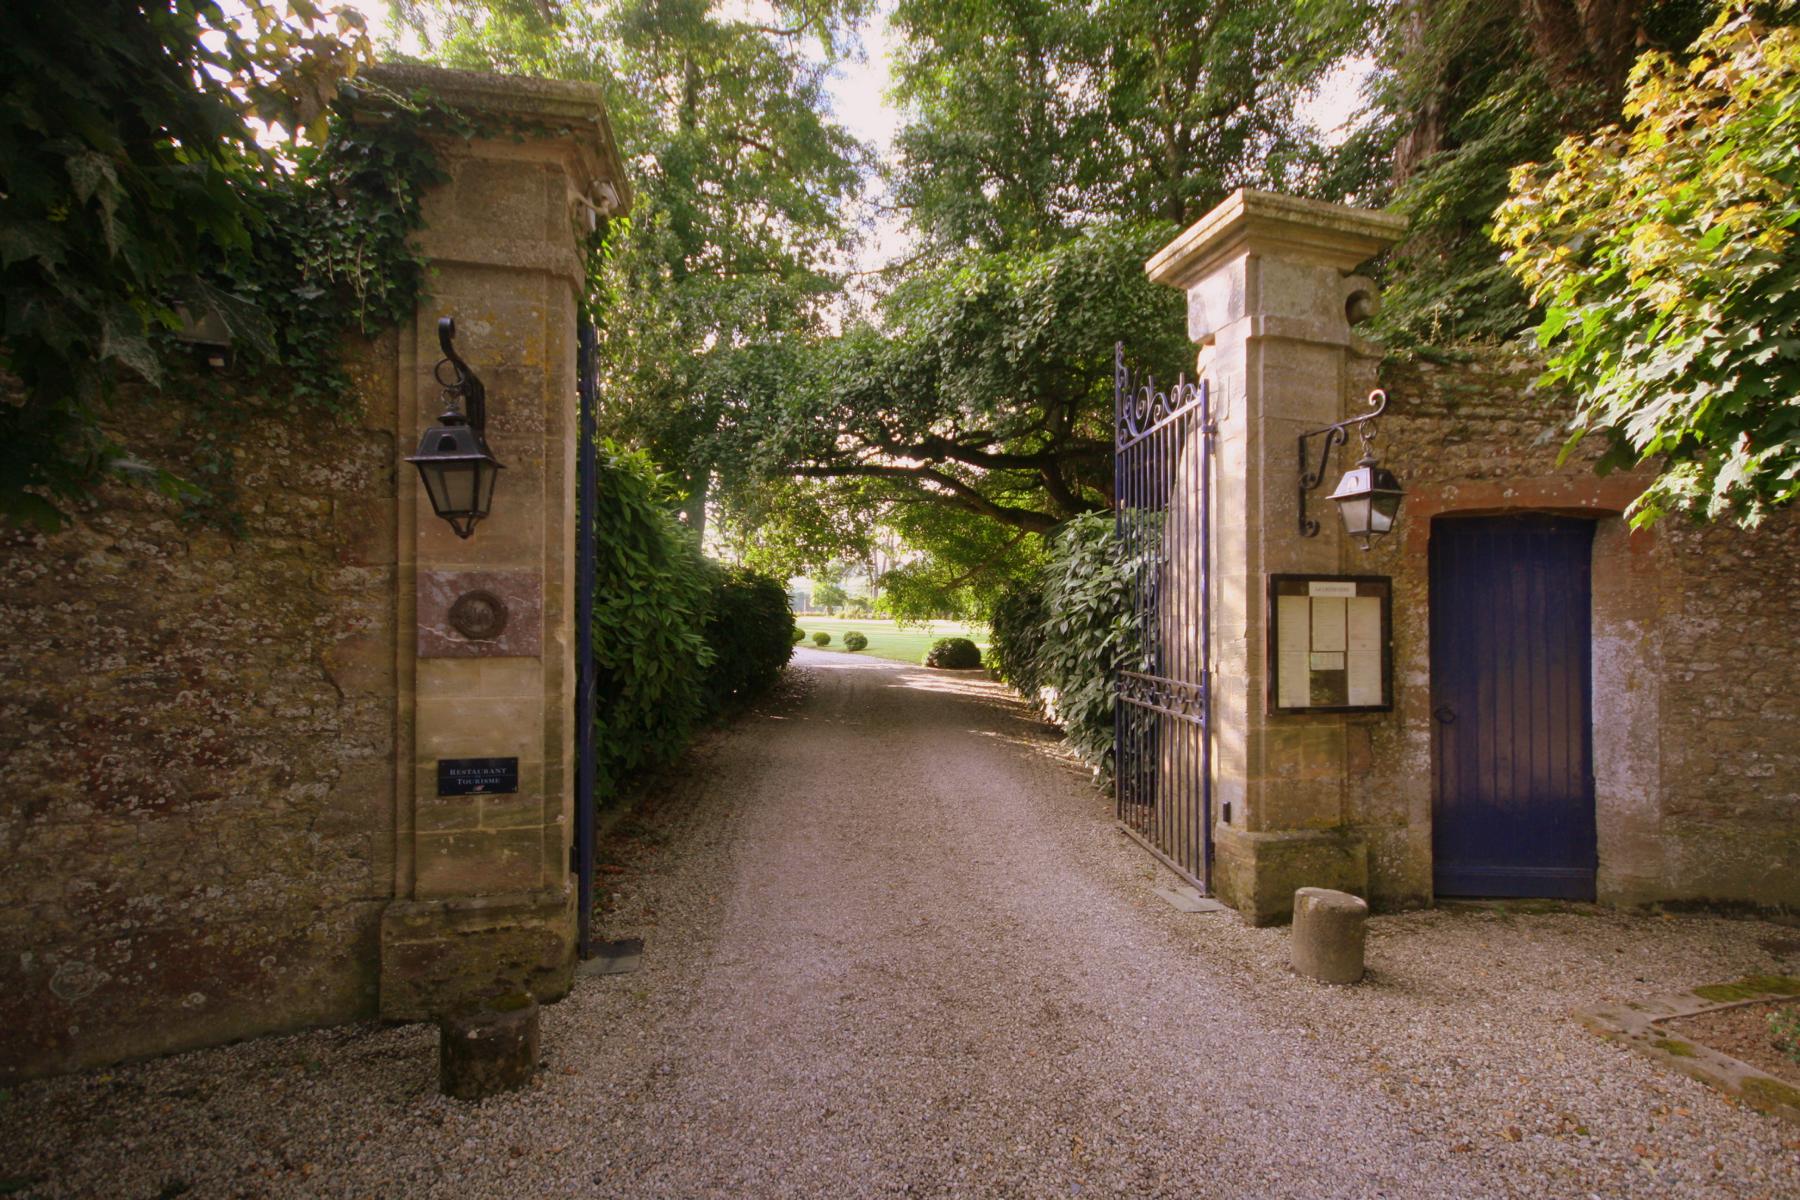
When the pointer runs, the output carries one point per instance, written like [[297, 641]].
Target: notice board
[[1331, 643]]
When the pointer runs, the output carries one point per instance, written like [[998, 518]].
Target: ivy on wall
[[134, 193]]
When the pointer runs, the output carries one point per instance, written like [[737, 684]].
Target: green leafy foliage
[[1017, 640], [743, 190], [1468, 90], [986, 388], [855, 641], [821, 638], [797, 635], [1059, 636], [132, 188], [652, 600], [1087, 631], [1664, 254], [751, 632], [1029, 119], [956, 653]]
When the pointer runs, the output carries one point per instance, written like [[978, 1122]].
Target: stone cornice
[[1253, 222], [551, 103]]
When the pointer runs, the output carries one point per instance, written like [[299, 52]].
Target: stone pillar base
[[438, 956], [1258, 873]]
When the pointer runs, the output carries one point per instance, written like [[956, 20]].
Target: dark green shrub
[[954, 652], [1059, 636], [821, 638], [1017, 626], [1088, 628], [653, 589], [797, 636], [855, 641], [751, 632]]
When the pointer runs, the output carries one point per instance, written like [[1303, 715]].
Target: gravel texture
[[895, 946]]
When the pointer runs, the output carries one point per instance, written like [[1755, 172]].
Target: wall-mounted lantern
[[458, 469], [1368, 496], [207, 334]]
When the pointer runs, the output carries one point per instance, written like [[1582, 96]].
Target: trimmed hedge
[[821, 638], [953, 652], [797, 636], [677, 637], [855, 641]]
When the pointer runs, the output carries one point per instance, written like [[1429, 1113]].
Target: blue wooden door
[[1511, 633]]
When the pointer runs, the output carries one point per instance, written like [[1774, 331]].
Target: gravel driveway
[[896, 947]]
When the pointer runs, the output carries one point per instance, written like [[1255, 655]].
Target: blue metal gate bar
[[1162, 743], [587, 496]]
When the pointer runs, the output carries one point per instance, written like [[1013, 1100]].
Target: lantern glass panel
[[489, 476], [432, 474], [1357, 517], [1386, 507], [458, 483]]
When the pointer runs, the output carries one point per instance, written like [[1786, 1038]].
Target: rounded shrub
[[821, 638], [855, 641], [797, 636], [749, 628], [954, 652]]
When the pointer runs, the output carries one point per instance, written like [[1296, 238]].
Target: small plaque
[[477, 776]]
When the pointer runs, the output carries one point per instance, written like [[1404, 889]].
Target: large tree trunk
[[1425, 135], [1586, 48], [1586, 44]]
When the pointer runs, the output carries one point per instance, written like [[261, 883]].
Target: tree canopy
[[1663, 254], [726, 266]]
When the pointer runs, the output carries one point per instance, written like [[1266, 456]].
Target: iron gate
[[1162, 744], [587, 494]]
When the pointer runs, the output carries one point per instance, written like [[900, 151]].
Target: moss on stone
[[1671, 1046], [1770, 1093], [1750, 987]]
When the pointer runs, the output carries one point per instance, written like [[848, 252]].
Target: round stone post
[[1327, 940]]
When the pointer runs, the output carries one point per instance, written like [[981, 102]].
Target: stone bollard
[[1327, 939], [489, 1049]]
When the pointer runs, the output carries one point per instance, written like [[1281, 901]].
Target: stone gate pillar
[[483, 896], [1269, 295]]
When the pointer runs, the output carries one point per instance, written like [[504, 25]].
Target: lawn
[[887, 640]]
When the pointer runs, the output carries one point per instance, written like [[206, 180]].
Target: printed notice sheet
[[1329, 643]]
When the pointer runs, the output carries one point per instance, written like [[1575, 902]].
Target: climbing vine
[[335, 258], [136, 197]]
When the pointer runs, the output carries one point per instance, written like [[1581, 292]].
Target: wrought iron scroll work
[[1334, 435], [464, 393], [1141, 408]]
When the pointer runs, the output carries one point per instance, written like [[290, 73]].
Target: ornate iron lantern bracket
[[455, 464], [1337, 435]]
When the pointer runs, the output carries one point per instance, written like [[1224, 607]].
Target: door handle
[[1445, 714]]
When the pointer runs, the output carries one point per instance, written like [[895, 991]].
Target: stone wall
[[1696, 764], [221, 803], [1696, 760], [196, 738]]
